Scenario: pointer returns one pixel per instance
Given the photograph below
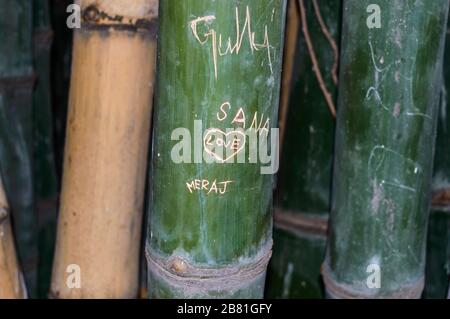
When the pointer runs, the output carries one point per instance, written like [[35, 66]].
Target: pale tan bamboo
[[108, 128], [11, 280]]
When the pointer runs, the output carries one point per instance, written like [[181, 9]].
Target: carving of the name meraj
[[215, 148]]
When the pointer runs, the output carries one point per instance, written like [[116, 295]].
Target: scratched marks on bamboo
[[392, 69]]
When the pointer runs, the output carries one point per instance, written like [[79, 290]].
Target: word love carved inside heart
[[223, 146]]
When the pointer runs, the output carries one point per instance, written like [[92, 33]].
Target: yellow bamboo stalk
[[11, 280], [105, 159], [292, 29]]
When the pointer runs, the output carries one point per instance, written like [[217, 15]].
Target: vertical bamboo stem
[[210, 223], [16, 87], [290, 46], [45, 181], [60, 76], [388, 104], [303, 192], [438, 243], [11, 280], [99, 225]]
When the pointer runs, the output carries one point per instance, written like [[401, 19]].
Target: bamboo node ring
[[338, 290], [192, 279], [98, 16]]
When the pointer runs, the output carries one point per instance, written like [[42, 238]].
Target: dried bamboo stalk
[[290, 46], [11, 280], [108, 127], [16, 137]]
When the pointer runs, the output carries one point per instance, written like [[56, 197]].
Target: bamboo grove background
[[331, 211]]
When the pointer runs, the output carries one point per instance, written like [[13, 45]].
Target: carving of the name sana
[[203, 184], [240, 118], [231, 46]]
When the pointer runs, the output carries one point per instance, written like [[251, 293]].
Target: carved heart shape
[[230, 143]]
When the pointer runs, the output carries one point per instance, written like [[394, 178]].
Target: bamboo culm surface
[[303, 190], [390, 79], [45, 180], [16, 92], [100, 218], [438, 244], [12, 284], [210, 223], [60, 76]]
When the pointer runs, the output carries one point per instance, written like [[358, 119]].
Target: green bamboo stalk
[[303, 191], [438, 255], [16, 84], [294, 270], [388, 105], [438, 244], [45, 180], [213, 242]]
